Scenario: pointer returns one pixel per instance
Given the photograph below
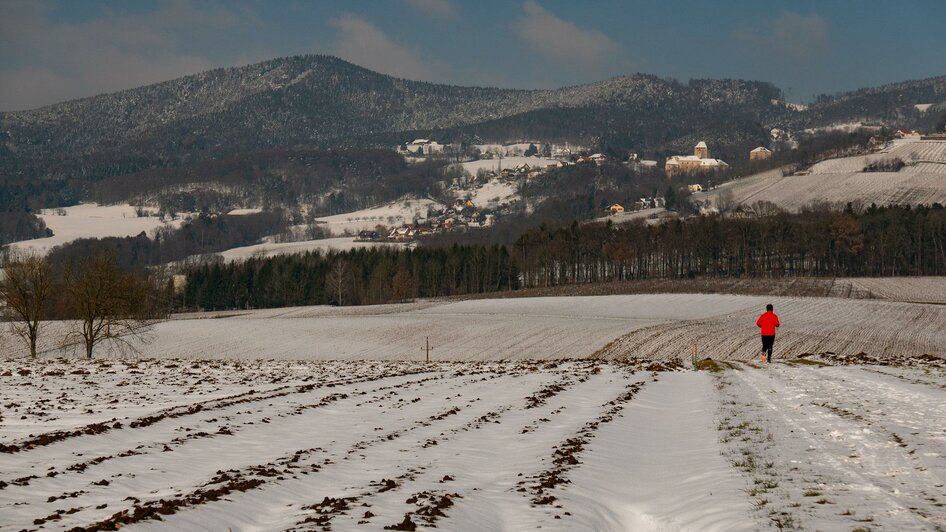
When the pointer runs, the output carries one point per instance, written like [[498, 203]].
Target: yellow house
[[616, 208]]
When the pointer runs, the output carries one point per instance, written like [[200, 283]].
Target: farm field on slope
[[883, 329], [923, 181], [391, 214], [89, 220], [535, 328], [274, 445], [657, 326], [918, 289]]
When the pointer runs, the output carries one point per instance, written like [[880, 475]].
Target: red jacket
[[768, 322]]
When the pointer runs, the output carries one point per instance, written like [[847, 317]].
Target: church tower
[[701, 151]]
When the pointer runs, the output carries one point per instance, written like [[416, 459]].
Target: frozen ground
[[570, 445], [389, 215], [498, 164], [90, 220], [657, 326], [809, 326], [494, 193], [914, 289]]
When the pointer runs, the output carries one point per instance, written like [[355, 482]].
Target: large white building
[[425, 147]]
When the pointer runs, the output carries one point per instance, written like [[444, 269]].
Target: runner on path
[[768, 322]]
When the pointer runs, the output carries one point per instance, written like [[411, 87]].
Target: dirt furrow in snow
[[161, 430], [187, 466], [380, 462]]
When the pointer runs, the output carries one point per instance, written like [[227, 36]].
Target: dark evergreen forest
[[878, 241]]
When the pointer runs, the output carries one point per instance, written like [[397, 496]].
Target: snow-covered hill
[[921, 181]]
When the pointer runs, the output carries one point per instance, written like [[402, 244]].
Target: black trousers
[[767, 343]]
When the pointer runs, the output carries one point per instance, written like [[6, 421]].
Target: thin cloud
[[443, 9], [111, 52], [792, 36], [364, 44], [560, 39]]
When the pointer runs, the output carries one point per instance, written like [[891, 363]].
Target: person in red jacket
[[768, 322]]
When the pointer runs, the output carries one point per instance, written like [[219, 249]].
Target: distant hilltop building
[[760, 154], [699, 162]]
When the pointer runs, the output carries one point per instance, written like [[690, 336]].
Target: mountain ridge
[[319, 101]]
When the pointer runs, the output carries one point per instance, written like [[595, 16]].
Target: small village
[[464, 214]]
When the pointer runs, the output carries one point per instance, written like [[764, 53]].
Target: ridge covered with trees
[[55, 155]]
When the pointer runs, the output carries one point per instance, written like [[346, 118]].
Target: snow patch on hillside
[[244, 212], [90, 220], [495, 192], [389, 215], [497, 164], [271, 249]]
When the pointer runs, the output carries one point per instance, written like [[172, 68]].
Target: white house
[[425, 146]]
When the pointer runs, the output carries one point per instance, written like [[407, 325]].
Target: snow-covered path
[[573, 445], [843, 445]]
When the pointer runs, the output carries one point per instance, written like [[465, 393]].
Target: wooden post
[[427, 349]]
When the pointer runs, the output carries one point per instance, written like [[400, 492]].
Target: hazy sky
[[56, 50]]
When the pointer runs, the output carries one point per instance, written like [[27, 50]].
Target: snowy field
[[655, 326], [506, 162], [842, 180], [389, 215], [494, 193], [658, 326], [629, 216], [271, 249], [912, 289], [883, 329], [573, 445], [90, 220]]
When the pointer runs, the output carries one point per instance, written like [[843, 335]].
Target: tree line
[[877, 241], [356, 277], [101, 303]]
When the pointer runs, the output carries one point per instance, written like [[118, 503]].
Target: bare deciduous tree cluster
[[97, 302]]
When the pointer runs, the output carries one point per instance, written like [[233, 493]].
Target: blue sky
[[56, 50]]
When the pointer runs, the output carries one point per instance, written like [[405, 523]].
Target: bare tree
[[25, 294], [725, 200], [109, 306], [337, 281], [402, 286]]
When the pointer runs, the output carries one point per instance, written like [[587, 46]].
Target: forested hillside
[[53, 155], [879, 241]]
